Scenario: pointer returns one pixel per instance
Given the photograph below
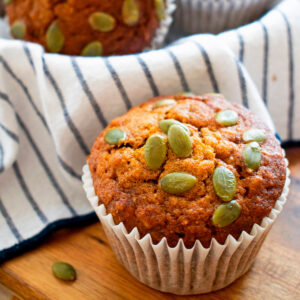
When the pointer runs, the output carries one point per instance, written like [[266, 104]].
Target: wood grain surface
[[274, 275]]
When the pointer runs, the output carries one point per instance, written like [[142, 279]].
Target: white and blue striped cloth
[[52, 107]]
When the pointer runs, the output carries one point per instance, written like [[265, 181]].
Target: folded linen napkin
[[52, 107]]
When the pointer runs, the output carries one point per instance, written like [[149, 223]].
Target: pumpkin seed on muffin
[[165, 125], [92, 49], [55, 38], [227, 117], [252, 155], [226, 214], [165, 102], [213, 95], [102, 22], [177, 183], [155, 151], [160, 9], [18, 29], [224, 183], [130, 12], [180, 141], [254, 135], [115, 136]]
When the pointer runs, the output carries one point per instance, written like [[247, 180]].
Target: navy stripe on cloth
[[28, 195], [6, 99], [25, 89], [11, 134], [29, 56], [148, 75], [242, 84], [118, 83], [10, 222], [209, 67], [179, 71], [43, 163], [88, 93], [242, 45], [67, 117], [291, 78], [1, 158], [67, 168], [265, 63]]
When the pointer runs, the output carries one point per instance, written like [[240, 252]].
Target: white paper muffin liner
[[180, 270], [197, 16]]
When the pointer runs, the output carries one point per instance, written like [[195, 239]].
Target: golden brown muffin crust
[[72, 17], [131, 192]]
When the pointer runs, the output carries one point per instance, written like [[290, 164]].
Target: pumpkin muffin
[[88, 27], [188, 167]]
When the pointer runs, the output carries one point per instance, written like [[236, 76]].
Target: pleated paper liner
[[214, 16], [180, 270]]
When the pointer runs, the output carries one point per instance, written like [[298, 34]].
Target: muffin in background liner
[[180, 270], [214, 16]]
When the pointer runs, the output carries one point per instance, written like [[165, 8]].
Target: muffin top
[[190, 167], [89, 27]]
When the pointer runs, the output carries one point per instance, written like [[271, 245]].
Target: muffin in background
[[90, 28], [186, 188]]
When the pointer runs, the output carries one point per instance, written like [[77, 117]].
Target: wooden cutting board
[[274, 275]]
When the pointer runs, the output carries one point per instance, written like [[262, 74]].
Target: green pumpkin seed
[[160, 9], [165, 102], [18, 29], [130, 12], [226, 213], [214, 95], [54, 38], [92, 49], [155, 151], [64, 271], [227, 117], [186, 93], [252, 155], [164, 125], [180, 141], [254, 135], [7, 1], [177, 183], [115, 136], [102, 22], [224, 183]]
